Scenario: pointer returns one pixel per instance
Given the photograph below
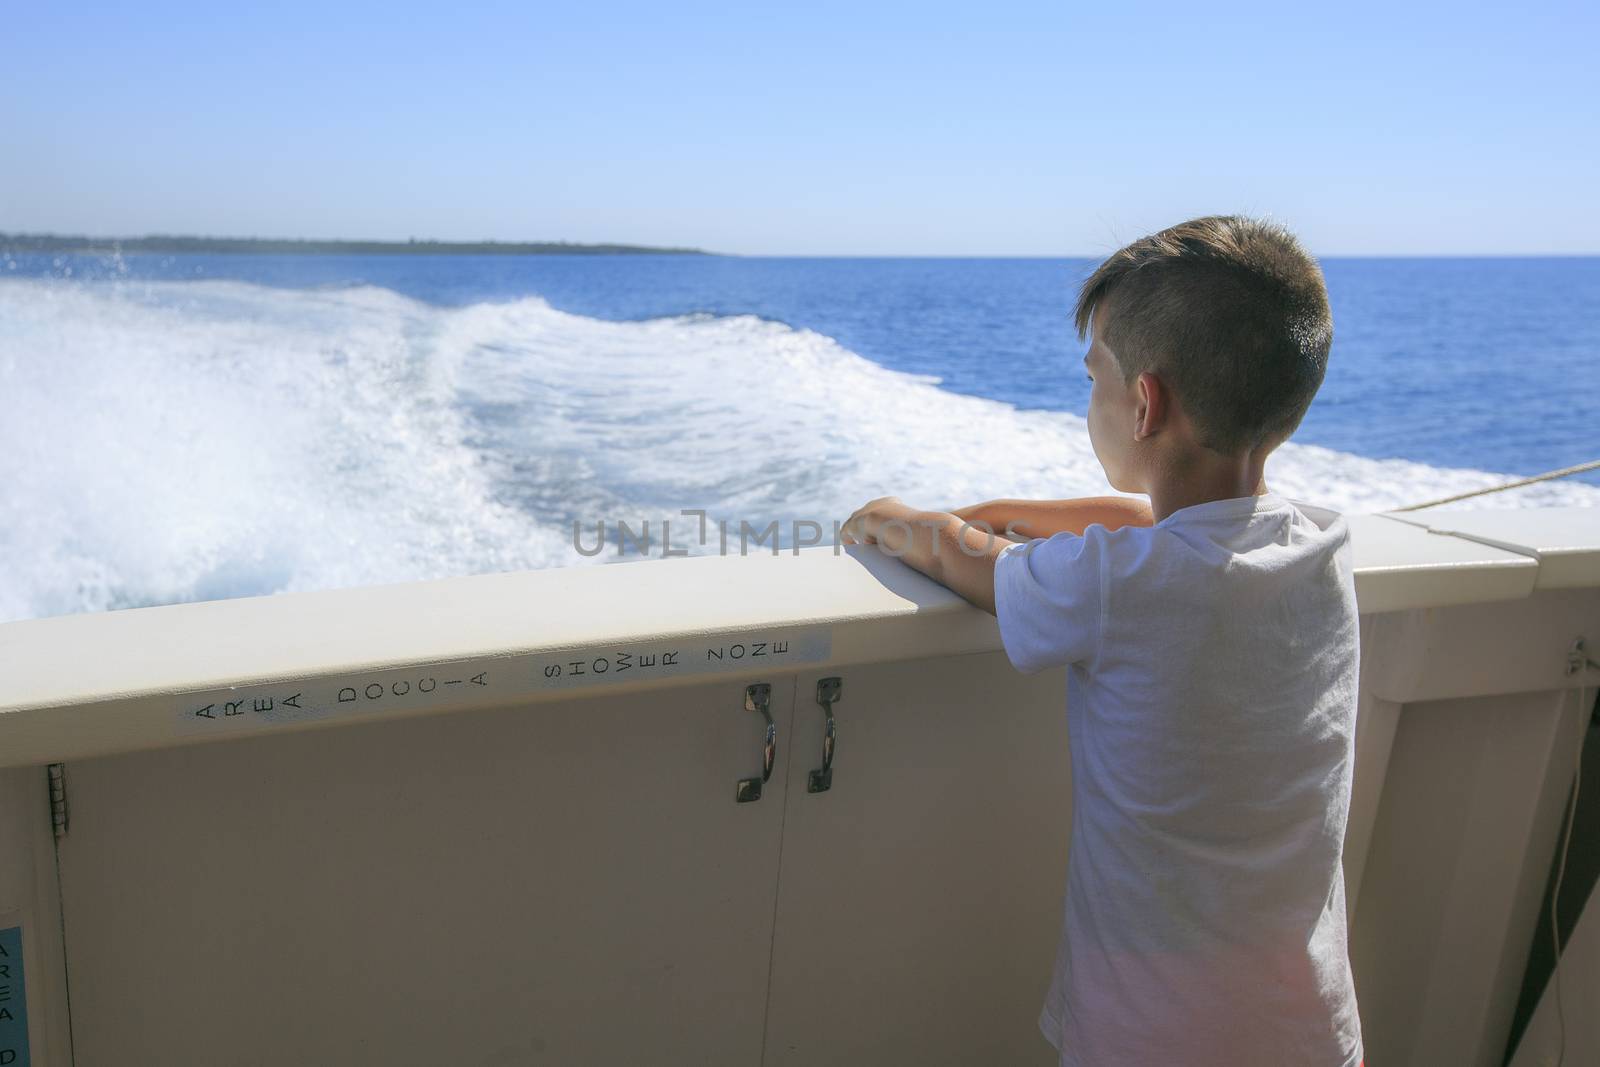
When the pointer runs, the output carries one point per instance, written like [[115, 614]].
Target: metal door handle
[[828, 691], [758, 697]]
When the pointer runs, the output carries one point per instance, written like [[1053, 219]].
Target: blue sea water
[[190, 427]]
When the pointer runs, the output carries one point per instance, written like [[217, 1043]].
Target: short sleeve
[[1047, 598]]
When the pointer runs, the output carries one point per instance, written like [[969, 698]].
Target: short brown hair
[[1230, 312]]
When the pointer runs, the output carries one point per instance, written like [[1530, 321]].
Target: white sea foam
[[162, 442]]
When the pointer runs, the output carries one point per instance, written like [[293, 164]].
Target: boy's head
[[1219, 327]]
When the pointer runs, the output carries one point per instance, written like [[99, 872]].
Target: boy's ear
[[1152, 404]]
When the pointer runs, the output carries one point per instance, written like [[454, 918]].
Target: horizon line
[[678, 250]]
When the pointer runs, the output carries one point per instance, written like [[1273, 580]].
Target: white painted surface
[[572, 886], [1563, 540], [920, 896], [1454, 875]]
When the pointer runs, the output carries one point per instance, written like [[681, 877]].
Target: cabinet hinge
[[58, 799]]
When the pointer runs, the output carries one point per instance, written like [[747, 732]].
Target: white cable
[[1593, 464], [1584, 713]]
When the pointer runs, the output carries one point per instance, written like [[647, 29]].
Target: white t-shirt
[[1211, 702]]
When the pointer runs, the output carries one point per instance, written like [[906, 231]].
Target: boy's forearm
[[1044, 518], [949, 550]]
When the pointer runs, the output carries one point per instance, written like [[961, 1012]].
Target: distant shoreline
[[47, 242]]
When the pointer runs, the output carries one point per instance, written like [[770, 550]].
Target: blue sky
[[808, 129]]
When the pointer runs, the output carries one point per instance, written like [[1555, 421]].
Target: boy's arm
[[1044, 518], [941, 545]]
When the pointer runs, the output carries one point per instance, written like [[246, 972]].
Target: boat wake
[[172, 441]]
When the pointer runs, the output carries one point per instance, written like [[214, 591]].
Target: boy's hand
[[940, 544], [867, 521]]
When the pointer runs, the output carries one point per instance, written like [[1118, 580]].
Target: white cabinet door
[[562, 884], [919, 902]]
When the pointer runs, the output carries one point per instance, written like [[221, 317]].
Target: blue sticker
[[13, 1000]]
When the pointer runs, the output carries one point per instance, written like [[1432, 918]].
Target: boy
[[1212, 644]]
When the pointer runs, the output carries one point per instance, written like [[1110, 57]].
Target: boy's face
[[1113, 411]]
